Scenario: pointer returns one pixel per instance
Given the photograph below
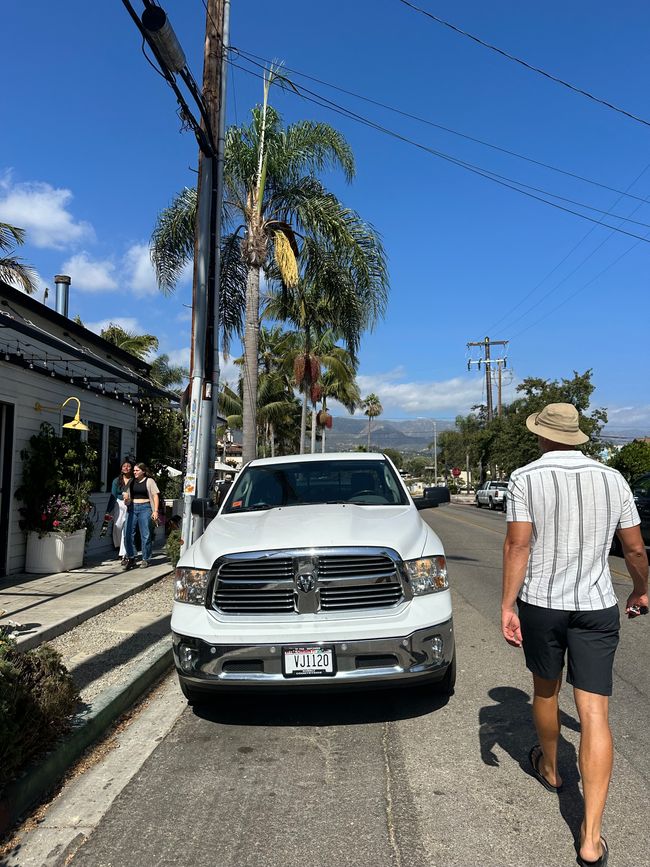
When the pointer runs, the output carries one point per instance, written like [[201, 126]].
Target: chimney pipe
[[62, 282]]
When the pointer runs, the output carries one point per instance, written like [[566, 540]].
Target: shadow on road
[[509, 725], [320, 708]]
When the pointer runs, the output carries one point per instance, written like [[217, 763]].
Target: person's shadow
[[509, 725]]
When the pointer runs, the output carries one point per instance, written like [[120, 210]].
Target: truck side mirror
[[204, 508]]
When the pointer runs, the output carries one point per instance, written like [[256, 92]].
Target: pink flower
[[55, 523]]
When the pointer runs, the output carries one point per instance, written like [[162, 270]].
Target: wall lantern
[[76, 423]]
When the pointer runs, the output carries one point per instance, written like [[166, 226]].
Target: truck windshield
[[366, 483]]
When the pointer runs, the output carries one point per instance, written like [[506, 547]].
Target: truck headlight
[[191, 585], [427, 575]]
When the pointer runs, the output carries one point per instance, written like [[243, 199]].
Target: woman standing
[[120, 483], [141, 497]]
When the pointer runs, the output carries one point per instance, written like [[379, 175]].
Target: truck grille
[[263, 584]]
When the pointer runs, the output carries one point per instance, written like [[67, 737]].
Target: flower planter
[[54, 552]]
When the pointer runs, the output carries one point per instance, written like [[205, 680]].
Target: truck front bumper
[[423, 655]]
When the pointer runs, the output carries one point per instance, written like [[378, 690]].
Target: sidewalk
[[48, 605]]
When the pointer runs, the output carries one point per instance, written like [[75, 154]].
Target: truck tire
[[491, 505], [478, 505], [447, 684]]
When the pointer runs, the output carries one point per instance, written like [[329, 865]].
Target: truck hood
[[315, 526]]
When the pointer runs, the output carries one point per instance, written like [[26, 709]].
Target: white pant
[[119, 520]]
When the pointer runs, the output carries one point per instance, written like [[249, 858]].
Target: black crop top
[[139, 490]]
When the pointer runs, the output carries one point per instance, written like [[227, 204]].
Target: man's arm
[[636, 561], [516, 551]]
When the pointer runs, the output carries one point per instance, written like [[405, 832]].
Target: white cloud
[[128, 323], [139, 275], [42, 210], [229, 371], [633, 419], [90, 275], [429, 397]]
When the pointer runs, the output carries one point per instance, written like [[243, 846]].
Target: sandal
[[534, 756], [601, 862]]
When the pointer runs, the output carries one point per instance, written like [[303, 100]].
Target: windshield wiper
[[258, 507]]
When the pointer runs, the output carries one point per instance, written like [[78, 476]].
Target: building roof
[[36, 336]]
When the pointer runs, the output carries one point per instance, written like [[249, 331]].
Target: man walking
[[563, 511]]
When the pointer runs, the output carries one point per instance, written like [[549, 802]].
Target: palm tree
[[326, 305], [341, 385], [276, 402], [271, 188], [140, 345], [372, 408], [13, 270]]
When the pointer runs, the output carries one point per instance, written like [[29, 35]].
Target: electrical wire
[[247, 55], [577, 291], [525, 64], [562, 261], [516, 186]]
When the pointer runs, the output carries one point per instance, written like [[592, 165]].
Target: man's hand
[[510, 627], [637, 603]]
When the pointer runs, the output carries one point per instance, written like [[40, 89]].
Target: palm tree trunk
[[313, 429], [250, 371], [272, 436], [303, 423], [368, 433]]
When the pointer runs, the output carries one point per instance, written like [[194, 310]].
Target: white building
[[45, 357]]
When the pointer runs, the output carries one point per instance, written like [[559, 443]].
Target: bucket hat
[[558, 422]]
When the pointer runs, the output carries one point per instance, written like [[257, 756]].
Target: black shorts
[[591, 638]]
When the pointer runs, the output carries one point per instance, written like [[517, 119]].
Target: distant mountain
[[405, 435]]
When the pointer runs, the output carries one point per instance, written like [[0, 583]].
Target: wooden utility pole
[[488, 361]]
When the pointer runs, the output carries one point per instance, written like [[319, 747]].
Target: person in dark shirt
[[142, 498]]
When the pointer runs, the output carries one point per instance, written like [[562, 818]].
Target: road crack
[[390, 817]]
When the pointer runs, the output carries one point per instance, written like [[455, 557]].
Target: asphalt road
[[388, 779]]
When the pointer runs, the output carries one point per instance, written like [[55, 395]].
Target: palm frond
[[232, 290], [172, 240], [16, 273], [11, 236]]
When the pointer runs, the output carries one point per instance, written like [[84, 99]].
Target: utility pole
[[488, 361], [435, 453]]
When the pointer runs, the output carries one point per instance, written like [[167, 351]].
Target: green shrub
[[37, 701], [173, 547]]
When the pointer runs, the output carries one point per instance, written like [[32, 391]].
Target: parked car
[[641, 492], [493, 495], [317, 570]]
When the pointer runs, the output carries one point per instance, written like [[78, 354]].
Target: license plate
[[308, 661]]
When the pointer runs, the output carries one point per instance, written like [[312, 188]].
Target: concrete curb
[[28, 642], [41, 778]]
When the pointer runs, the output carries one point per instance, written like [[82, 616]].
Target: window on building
[[114, 456], [96, 440]]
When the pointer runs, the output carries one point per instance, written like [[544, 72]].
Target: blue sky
[[92, 150]]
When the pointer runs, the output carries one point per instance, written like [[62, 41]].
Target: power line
[[525, 64], [562, 261], [502, 180], [247, 55]]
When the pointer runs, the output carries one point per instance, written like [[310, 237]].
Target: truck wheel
[[447, 684], [193, 696], [491, 504], [478, 505]]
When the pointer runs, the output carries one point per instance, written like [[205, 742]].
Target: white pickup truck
[[317, 570], [493, 495]]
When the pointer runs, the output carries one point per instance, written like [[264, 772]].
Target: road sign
[[455, 472]]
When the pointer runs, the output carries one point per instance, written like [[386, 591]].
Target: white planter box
[[54, 552]]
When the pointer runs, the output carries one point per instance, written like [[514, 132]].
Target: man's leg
[[595, 758], [546, 715]]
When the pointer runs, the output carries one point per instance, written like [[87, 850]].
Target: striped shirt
[[575, 505]]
